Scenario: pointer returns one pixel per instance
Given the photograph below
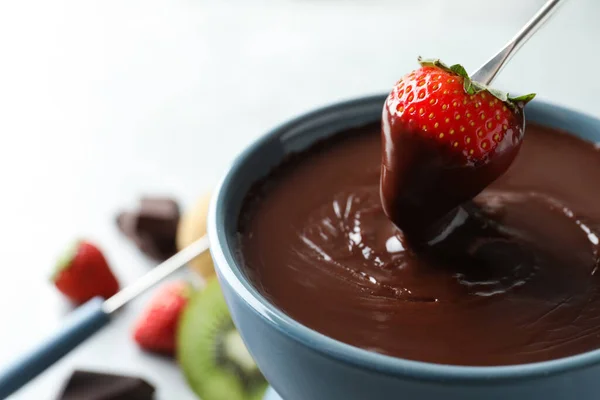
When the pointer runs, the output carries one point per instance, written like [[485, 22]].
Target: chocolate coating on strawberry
[[445, 138]]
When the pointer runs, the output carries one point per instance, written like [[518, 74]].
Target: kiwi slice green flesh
[[211, 353]]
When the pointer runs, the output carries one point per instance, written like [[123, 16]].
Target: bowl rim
[[229, 271]]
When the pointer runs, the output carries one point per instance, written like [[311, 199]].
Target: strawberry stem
[[472, 87], [65, 259]]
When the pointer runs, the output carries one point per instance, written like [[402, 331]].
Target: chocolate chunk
[[159, 207], [89, 385], [156, 248], [153, 227], [159, 219], [127, 222]]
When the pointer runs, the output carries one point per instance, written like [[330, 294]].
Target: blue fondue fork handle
[[77, 327]]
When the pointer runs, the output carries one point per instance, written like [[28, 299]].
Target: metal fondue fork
[[488, 71]]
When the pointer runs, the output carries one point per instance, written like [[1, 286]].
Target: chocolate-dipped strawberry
[[445, 138]]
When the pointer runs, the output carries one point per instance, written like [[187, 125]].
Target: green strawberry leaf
[[499, 94], [459, 70], [472, 87], [434, 62], [526, 98], [65, 259]]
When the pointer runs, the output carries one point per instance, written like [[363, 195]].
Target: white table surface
[[103, 101]]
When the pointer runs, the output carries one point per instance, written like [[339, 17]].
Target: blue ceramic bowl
[[302, 364]]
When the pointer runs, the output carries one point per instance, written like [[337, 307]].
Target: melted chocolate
[[524, 286]]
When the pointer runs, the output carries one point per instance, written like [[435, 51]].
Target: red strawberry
[[445, 139], [83, 273], [157, 327]]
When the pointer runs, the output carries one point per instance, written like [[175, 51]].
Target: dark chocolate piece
[[127, 222], [89, 385], [153, 227]]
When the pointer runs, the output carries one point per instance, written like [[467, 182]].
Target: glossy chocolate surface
[[517, 282]]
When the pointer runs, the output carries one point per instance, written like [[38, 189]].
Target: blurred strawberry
[[83, 273], [156, 329]]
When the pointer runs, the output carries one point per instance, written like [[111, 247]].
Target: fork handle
[[78, 326]]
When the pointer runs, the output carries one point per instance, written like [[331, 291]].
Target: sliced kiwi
[[212, 355]]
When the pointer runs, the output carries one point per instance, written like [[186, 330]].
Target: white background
[[102, 101]]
